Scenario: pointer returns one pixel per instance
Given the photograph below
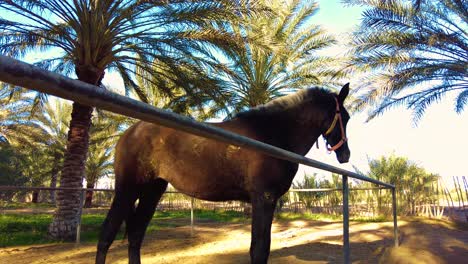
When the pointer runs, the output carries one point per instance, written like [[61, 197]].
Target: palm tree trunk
[[65, 221], [53, 184], [53, 180], [89, 195], [66, 216], [35, 196]]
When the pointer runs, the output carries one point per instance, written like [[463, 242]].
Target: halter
[[332, 126]]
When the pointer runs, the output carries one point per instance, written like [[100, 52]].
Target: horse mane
[[283, 103]]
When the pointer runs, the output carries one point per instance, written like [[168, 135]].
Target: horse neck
[[309, 125], [304, 133], [293, 130]]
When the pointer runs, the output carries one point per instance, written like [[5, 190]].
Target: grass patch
[[24, 229], [289, 216], [17, 205], [374, 219], [30, 229], [220, 216]]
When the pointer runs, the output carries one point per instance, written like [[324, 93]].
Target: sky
[[438, 142]]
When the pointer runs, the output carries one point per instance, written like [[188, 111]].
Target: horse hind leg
[[137, 223], [122, 204]]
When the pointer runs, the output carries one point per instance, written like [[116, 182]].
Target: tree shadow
[[162, 241], [431, 243], [293, 242]]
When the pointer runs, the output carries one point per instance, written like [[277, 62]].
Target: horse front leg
[[263, 207]]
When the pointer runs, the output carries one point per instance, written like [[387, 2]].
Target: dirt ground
[[292, 242]]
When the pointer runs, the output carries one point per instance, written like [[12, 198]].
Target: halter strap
[[332, 126]]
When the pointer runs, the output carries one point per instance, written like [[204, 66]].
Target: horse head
[[335, 133]]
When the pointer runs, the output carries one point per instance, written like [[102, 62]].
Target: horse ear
[[343, 93]]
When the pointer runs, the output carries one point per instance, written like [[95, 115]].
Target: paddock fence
[[364, 202], [322, 201], [40, 200], [22, 74]]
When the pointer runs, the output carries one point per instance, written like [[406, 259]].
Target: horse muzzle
[[343, 156]]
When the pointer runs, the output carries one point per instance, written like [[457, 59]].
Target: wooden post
[[78, 226], [395, 224], [191, 216]]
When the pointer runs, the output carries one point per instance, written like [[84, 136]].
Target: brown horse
[[148, 156]]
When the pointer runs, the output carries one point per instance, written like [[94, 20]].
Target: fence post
[[191, 216], [78, 226], [346, 252], [395, 224]]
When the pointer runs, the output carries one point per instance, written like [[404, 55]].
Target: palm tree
[[36, 167], [87, 37], [16, 124], [22, 139], [413, 184], [54, 119], [413, 53], [98, 164], [416, 3], [310, 181], [333, 198], [39, 133], [287, 60], [11, 160], [199, 102], [106, 131]]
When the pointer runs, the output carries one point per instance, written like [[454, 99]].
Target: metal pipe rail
[[25, 75]]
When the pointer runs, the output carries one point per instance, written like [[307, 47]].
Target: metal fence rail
[[25, 75]]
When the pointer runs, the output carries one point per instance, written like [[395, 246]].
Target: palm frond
[[461, 100], [405, 49], [259, 74]]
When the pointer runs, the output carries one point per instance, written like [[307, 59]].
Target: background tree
[[87, 37], [22, 141], [106, 131], [334, 198], [54, 119], [309, 181], [17, 126], [413, 184], [200, 102], [10, 163], [286, 61], [36, 167], [38, 136], [413, 53]]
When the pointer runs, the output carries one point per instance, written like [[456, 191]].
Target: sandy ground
[[292, 242]]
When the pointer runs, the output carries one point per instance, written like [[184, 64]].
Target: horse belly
[[204, 173]]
